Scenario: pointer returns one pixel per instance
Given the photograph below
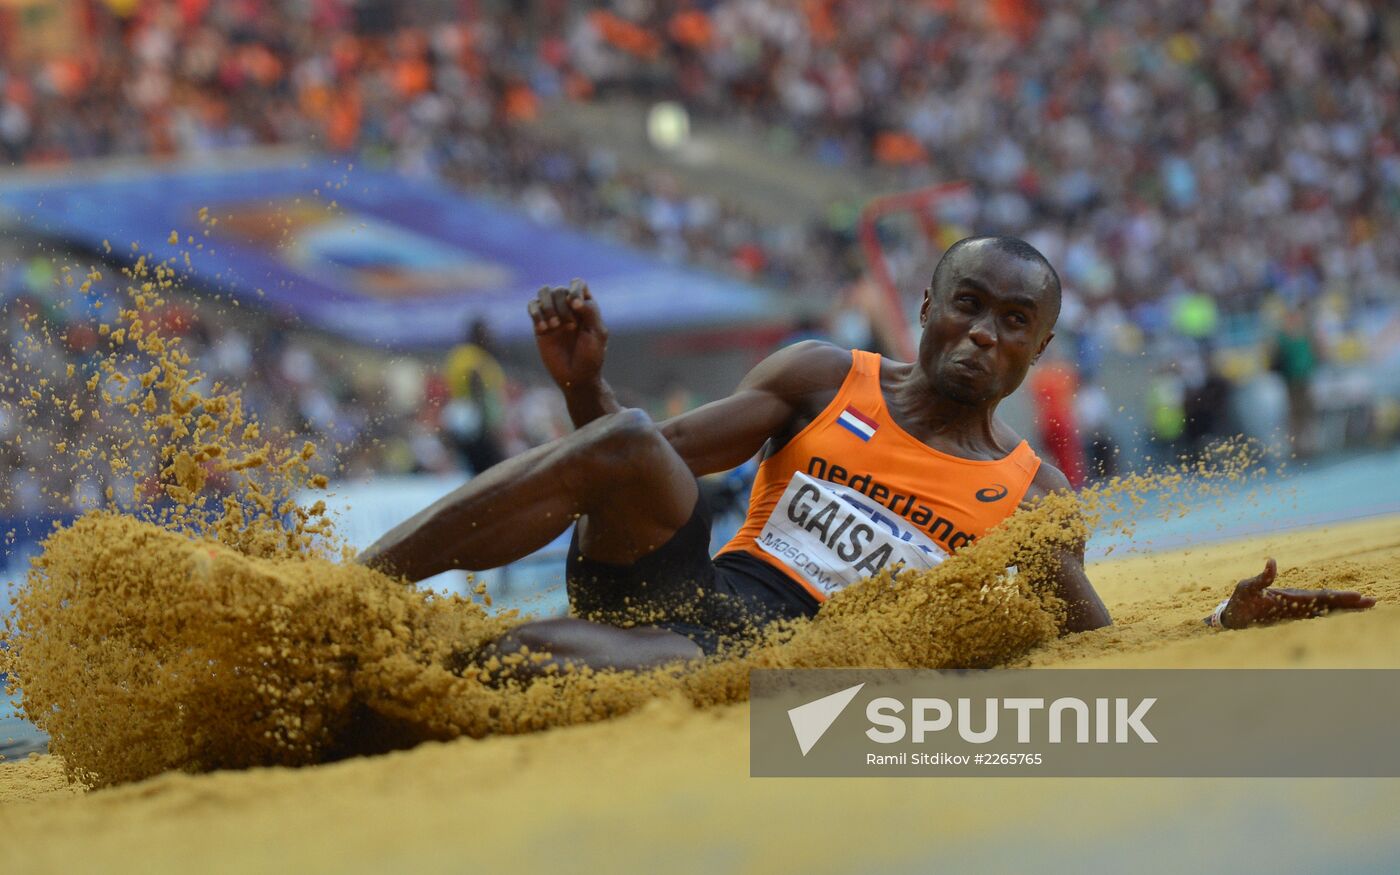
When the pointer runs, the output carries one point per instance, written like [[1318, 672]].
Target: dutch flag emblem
[[857, 423]]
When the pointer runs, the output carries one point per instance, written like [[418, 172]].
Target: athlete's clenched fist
[[570, 334]]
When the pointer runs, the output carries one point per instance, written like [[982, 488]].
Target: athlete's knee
[[626, 442]]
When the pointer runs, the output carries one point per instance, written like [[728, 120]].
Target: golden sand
[[143, 648], [668, 787], [140, 649]]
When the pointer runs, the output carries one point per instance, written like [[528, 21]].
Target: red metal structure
[[922, 203]]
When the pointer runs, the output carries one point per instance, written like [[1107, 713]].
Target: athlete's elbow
[[674, 433], [683, 443]]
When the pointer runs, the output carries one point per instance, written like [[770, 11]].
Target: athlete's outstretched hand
[[1255, 601], [570, 333]]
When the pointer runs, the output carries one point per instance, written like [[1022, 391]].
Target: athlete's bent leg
[[617, 475]]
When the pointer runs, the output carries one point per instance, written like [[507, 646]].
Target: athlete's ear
[[1044, 343], [923, 308]]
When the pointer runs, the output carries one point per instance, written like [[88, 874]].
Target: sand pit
[[141, 650], [667, 786]]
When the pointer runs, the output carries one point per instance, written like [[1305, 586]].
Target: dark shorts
[[717, 603]]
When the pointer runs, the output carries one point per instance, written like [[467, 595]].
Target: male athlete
[[866, 462]]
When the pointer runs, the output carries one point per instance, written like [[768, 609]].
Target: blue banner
[[373, 256]]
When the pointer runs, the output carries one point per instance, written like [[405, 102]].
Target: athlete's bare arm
[[1254, 601], [629, 484], [775, 400], [1084, 609], [791, 384]]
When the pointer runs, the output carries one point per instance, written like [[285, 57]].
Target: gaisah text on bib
[[834, 536]]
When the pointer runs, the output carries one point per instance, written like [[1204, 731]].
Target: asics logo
[[995, 492]]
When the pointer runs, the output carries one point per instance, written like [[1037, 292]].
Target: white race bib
[[834, 536]]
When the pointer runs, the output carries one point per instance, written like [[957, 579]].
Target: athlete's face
[[989, 320]]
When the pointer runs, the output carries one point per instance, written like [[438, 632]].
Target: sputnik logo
[[811, 721]]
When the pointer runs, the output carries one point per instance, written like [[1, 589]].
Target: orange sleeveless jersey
[[853, 493]]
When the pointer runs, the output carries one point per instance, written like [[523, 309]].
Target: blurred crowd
[[447, 89], [368, 414], [1214, 179]]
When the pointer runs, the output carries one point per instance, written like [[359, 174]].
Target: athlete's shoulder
[[1047, 479], [802, 367], [817, 354]]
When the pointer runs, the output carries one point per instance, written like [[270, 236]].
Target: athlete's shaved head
[[989, 311], [1014, 247]]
